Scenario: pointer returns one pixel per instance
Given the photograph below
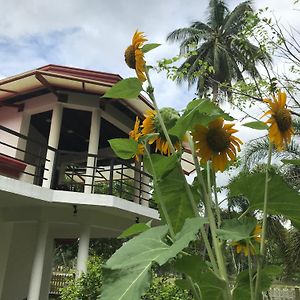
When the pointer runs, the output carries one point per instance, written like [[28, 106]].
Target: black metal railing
[[18, 152], [72, 171], [81, 172]]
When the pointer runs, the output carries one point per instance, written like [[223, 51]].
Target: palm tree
[[257, 150], [217, 43]]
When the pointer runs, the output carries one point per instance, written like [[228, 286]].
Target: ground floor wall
[[19, 262]]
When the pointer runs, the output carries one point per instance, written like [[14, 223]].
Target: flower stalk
[[264, 225]]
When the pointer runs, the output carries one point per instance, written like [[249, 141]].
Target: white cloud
[[93, 34]]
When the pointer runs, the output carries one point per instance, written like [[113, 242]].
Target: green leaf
[[175, 198], [242, 290], [182, 283], [148, 47], [187, 234], [236, 230], [134, 230], [202, 112], [210, 284], [162, 165], [128, 88], [291, 161], [129, 276], [282, 199], [124, 148], [146, 247], [129, 284], [257, 125]]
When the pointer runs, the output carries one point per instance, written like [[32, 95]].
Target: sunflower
[[281, 130], [216, 143], [151, 125], [244, 246], [134, 56], [136, 134]]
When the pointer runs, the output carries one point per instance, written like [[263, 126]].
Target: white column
[[53, 142], [47, 274], [83, 249], [24, 129], [6, 233], [38, 263], [93, 149]]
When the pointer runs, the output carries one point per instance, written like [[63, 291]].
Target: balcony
[[25, 159]]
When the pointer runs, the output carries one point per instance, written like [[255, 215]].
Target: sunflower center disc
[[130, 57], [217, 139], [283, 119]]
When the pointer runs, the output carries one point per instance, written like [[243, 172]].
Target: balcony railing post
[[53, 183], [38, 178], [121, 182], [111, 177]]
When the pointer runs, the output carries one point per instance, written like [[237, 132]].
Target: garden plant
[[192, 213]]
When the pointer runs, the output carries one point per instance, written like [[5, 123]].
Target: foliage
[[192, 214], [218, 44], [163, 288], [88, 285]]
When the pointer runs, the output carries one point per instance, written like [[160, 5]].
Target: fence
[[60, 278], [283, 293]]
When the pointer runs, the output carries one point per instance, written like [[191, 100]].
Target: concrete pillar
[[24, 129], [6, 232], [38, 263], [83, 249], [47, 274], [93, 149], [137, 184], [53, 142]]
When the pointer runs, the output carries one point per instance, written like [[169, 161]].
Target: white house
[[58, 176]]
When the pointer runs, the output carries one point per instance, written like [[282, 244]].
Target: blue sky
[[93, 35]]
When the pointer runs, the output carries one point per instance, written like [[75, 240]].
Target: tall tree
[[219, 44]]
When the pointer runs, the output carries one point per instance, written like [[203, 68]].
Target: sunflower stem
[[264, 225], [216, 242], [250, 273], [218, 213], [203, 232], [172, 148], [167, 136], [162, 204], [160, 119]]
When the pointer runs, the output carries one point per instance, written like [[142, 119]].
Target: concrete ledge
[[26, 193]]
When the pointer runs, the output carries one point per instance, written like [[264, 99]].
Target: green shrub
[[87, 286], [164, 288]]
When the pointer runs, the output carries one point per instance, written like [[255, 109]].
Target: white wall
[[6, 230], [19, 262], [12, 119]]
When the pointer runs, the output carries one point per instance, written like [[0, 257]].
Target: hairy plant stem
[[188, 190], [218, 213], [160, 119], [213, 228], [203, 232], [162, 204], [165, 131], [263, 235], [220, 264], [250, 273]]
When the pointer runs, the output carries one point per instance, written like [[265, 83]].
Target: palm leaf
[[217, 11], [257, 151], [235, 20]]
